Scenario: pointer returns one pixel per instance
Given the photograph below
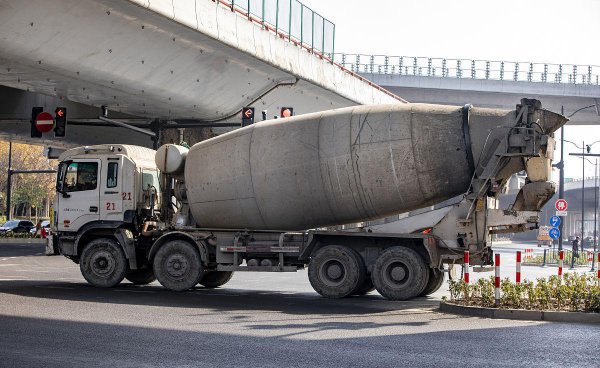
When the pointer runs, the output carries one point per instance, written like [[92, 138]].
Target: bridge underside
[[190, 60]]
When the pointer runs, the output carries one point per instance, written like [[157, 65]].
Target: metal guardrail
[[290, 19], [471, 68]]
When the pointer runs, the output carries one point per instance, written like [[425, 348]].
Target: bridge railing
[[470, 68], [290, 19]]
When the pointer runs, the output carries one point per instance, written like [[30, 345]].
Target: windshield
[[11, 224]]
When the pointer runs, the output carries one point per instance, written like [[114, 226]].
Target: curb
[[520, 314], [22, 241]]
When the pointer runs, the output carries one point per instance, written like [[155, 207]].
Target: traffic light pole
[[9, 183]]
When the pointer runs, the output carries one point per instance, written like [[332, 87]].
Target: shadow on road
[[224, 299]]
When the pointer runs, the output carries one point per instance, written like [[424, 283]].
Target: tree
[[29, 190]]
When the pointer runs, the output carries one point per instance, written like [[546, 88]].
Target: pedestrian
[[575, 249]]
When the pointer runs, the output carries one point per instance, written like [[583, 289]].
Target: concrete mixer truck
[[268, 198]]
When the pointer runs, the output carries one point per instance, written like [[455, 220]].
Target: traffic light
[[60, 129], [286, 112], [247, 116], [35, 133]]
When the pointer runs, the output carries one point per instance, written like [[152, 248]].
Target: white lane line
[[9, 264]]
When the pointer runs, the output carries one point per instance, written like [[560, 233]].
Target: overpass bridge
[[496, 84], [166, 64]]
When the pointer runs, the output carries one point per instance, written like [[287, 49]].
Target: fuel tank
[[333, 167]]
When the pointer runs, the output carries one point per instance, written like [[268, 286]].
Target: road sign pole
[[561, 184], [9, 183]]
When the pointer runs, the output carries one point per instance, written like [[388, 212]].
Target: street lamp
[[561, 165], [583, 156], [561, 191], [589, 148]]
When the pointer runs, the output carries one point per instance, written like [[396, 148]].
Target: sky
[[548, 31]]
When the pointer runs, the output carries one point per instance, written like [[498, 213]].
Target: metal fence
[[290, 19], [468, 68]]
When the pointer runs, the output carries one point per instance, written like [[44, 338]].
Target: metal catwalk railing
[[290, 19], [470, 68]]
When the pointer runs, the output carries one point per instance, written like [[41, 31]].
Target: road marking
[[9, 264], [15, 278]]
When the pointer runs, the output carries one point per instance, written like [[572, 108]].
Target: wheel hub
[[332, 273], [102, 263], [398, 273], [177, 265]]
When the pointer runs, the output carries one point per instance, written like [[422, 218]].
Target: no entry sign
[[561, 205], [44, 122]]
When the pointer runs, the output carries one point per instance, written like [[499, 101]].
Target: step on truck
[[270, 198]]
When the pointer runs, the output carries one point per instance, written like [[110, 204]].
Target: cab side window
[[111, 177], [81, 176]]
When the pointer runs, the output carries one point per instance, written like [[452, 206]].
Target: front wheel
[[400, 274], [103, 263], [177, 265], [214, 279]]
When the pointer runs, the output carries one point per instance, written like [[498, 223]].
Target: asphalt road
[[49, 317]]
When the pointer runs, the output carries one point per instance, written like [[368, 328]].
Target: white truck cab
[[102, 187]]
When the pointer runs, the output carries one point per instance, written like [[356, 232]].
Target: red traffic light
[[248, 112], [247, 116], [59, 112], [286, 112]]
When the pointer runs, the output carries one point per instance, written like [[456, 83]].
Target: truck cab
[[102, 189]]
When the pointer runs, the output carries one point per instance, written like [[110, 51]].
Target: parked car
[[17, 226], [44, 229]]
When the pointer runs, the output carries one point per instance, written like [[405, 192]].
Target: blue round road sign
[[555, 221], [554, 233]]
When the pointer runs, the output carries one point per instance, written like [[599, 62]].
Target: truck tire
[[366, 287], [177, 265], [103, 263], [336, 271], [141, 277], [400, 273], [214, 279], [436, 280]]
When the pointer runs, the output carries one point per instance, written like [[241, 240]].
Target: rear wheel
[[336, 271], [400, 274], [177, 265], [141, 277], [103, 263], [214, 279], [436, 279]]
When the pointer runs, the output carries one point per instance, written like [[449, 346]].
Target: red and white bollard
[[466, 267], [497, 281], [528, 254], [518, 278], [561, 256], [598, 267]]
